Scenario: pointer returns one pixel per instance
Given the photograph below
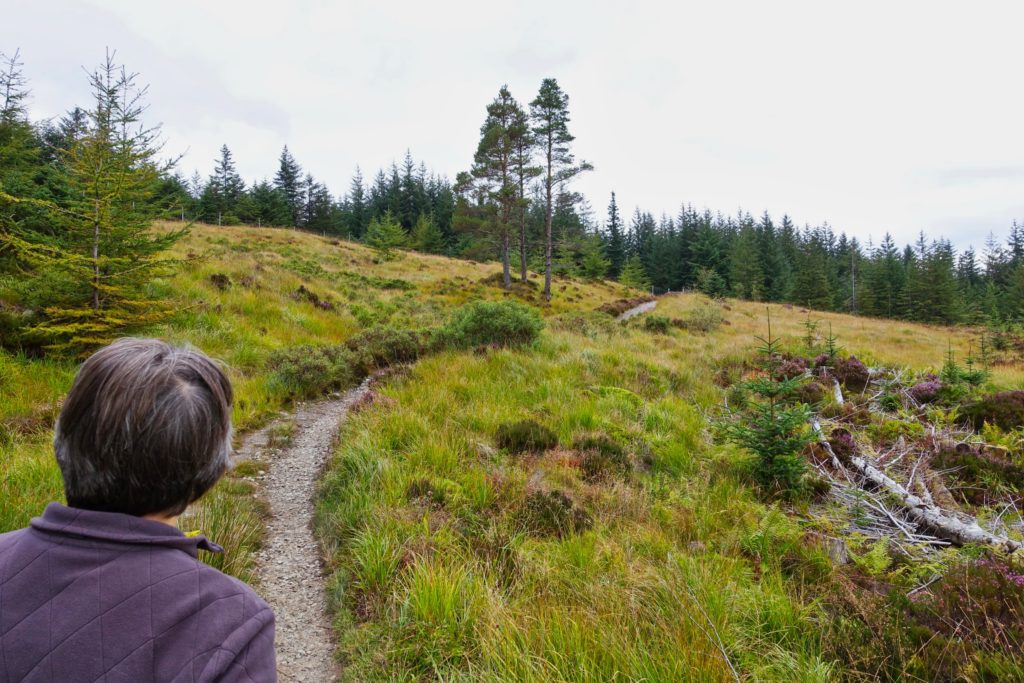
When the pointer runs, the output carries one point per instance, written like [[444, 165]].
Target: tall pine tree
[[550, 114], [289, 181]]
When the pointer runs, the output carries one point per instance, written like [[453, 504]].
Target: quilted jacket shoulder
[[87, 596]]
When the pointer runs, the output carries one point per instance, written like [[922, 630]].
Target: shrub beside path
[[290, 569]]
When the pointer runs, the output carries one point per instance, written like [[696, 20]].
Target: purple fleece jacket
[[102, 596]]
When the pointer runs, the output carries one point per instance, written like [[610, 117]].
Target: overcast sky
[[892, 116]]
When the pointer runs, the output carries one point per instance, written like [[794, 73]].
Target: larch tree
[[90, 283], [549, 113], [20, 154]]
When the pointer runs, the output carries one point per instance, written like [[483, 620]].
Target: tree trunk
[[506, 267], [522, 250], [548, 215], [522, 233], [924, 513], [96, 261]]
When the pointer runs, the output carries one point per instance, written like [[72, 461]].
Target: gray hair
[[146, 428]]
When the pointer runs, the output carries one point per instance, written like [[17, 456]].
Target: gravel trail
[[290, 570], [637, 310]]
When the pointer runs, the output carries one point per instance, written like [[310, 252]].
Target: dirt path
[[637, 310], [291, 577]]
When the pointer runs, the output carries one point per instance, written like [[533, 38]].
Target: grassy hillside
[[458, 556], [556, 512], [242, 294]]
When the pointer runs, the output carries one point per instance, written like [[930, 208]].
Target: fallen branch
[[837, 391], [921, 512]]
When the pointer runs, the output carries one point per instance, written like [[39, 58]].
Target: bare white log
[[921, 512]]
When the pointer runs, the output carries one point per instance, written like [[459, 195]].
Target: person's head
[[145, 429]]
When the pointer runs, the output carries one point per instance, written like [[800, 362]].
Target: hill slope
[[607, 534]]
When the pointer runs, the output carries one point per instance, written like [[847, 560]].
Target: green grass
[[445, 560], [639, 596], [684, 571], [242, 325]]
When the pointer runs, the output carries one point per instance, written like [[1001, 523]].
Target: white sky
[[873, 116]]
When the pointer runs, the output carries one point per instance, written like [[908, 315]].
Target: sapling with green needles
[[774, 431]]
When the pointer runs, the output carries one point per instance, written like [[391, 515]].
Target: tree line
[[775, 261], [78, 197]]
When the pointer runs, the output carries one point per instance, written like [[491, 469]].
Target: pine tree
[[22, 169], [385, 234], [268, 205], [746, 274], [710, 283], [223, 193], [593, 263], [412, 200], [887, 279], [289, 181], [357, 217], [92, 282], [494, 172], [774, 432], [615, 247], [776, 270], [318, 207], [812, 286], [550, 114], [522, 165], [969, 284], [633, 274], [426, 236]]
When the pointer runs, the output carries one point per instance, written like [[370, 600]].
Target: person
[[107, 588]]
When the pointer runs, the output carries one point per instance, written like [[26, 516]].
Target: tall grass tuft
[[228, 517]]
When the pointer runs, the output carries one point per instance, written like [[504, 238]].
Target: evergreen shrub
[[525, 436], [657, 324], [552, 513], [486, 323], [385, 346], [602, 456], [308, 371], [1004, 410]]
